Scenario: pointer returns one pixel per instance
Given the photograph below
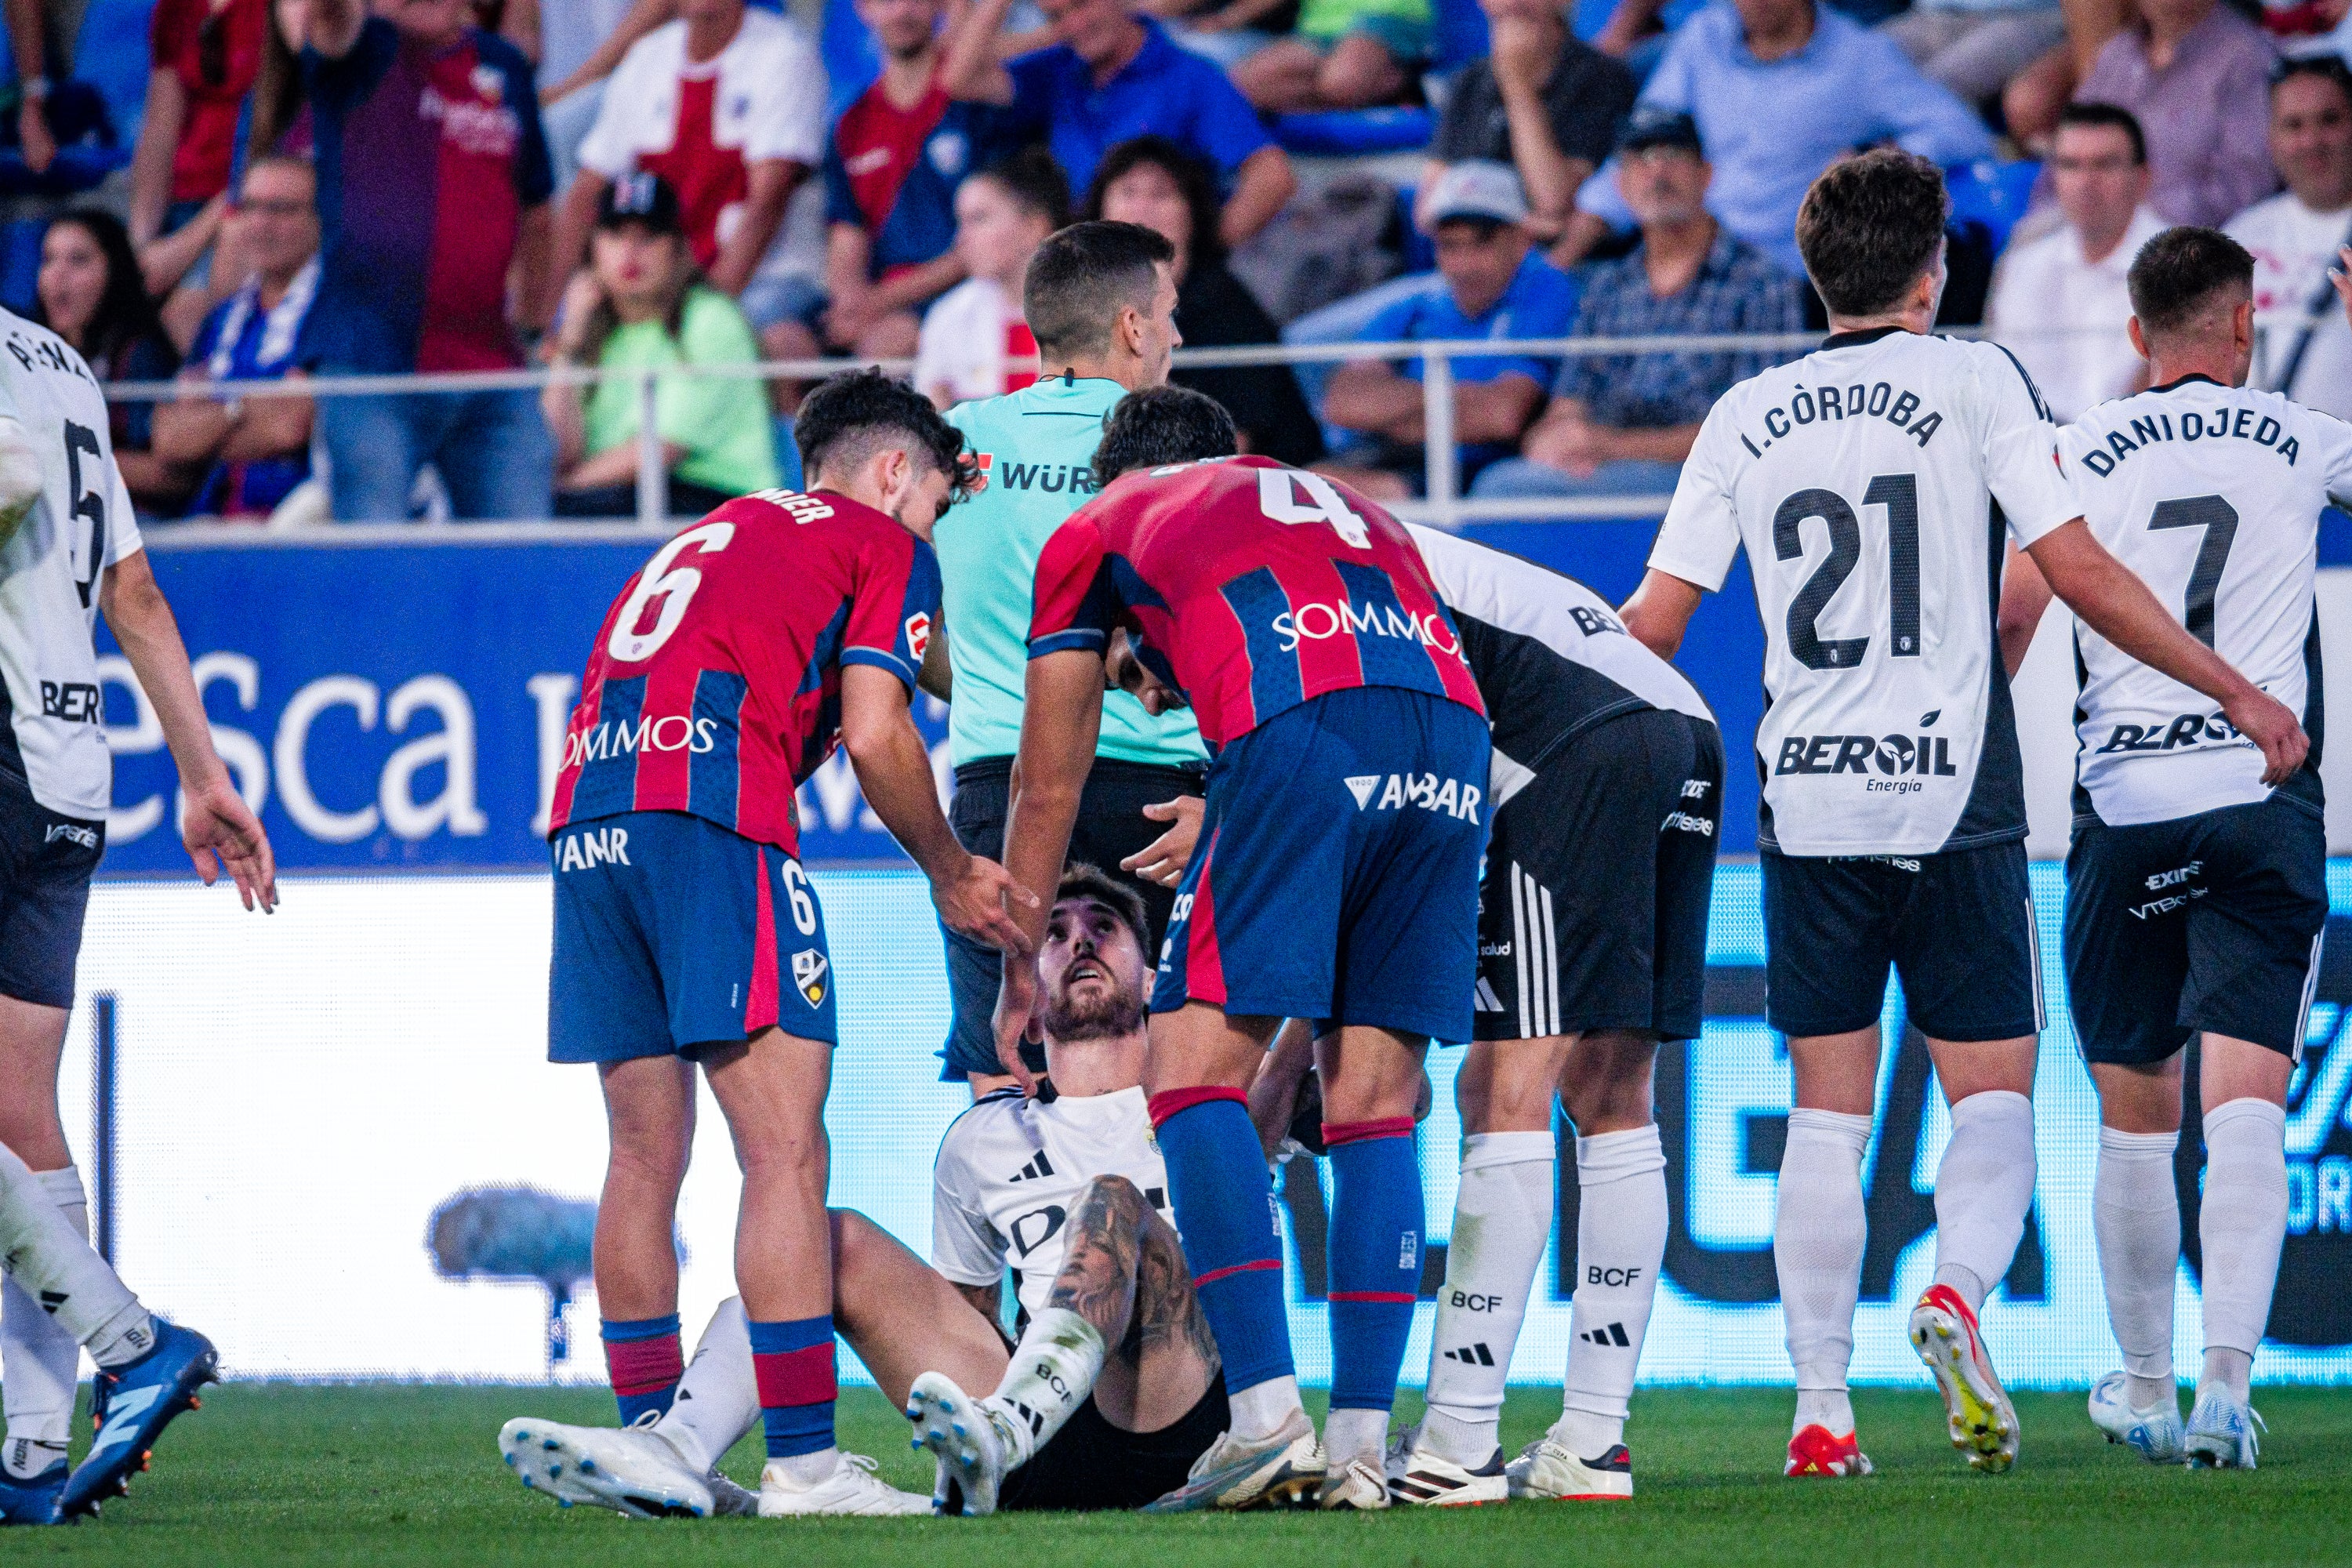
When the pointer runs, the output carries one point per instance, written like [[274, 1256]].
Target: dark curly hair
[[1869, 227], [1162, 425], [1080, 880], [853, 415], [1192, 178]]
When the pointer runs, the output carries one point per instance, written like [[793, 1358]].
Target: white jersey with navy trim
[[2212, 495], [1009, 1172], [52, 741], [1550, 654], [1870, 484]]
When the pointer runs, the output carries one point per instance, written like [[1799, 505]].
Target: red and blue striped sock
[[1233, 1241], [1376, 1228], [793, 1362], [645, 1358]]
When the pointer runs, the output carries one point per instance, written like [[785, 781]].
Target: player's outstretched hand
[[1164, 859], [220, 823], [2270, 724], [977, 901], [1016, 1018]]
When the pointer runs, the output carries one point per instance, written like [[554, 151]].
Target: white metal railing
[[1444, 506]]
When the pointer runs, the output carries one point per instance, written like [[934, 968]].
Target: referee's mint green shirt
[[1038, 446]]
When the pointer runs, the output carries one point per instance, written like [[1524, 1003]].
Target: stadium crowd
[[388, 186]]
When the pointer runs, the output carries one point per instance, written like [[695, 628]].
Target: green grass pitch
[[388, 1473]]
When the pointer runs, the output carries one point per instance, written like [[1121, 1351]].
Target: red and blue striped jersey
[[1251, 586], [715, 686]]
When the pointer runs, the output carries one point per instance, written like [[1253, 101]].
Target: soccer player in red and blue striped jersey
[[1336, 881], [686, 931]]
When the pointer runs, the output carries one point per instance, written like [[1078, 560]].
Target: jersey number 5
[[1277, 497], [673, 585], [80, 439], [1899, 494], [2219, 518]]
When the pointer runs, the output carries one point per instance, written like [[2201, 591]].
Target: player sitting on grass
[[1114, 1390]]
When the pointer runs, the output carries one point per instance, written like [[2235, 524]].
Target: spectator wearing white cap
[[1496, 286]]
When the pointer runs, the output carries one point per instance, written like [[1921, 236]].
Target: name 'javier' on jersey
[[1870, 484]]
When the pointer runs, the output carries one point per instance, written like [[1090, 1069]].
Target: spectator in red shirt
[[433, 188], [727, 105]]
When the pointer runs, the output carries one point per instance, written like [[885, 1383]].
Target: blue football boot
[[141, 1400], [35, 1500]]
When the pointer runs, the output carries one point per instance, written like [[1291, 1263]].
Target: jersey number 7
[[2219, 518], [1899, 494]]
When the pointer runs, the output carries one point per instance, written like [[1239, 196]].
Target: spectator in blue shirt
[[1623, 424], [1111, 76], [1495, 286], [1781, 89]]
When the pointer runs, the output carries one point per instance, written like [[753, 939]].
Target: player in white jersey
[[69, 550], [2196, 891], [1870, 484], [1114, 1390]]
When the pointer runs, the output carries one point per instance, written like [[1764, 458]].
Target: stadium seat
[[851, 60], [1420, 250], [1347, 133], [1457, 34], [1992, 194]]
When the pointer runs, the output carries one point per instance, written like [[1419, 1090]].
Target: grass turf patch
[[394, 1474]]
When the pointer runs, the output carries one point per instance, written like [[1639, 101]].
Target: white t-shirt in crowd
[[1862, 481], [2064, 315], [974, 343], [53, 737], [1009, 1172], [2293, 248]]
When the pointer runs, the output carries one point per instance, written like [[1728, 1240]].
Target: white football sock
[[2136, 1215], [1819, 1230], [2243, 1225], [52, 1261], [1621, 1240], [717, 1400], [804, 1470], [1354, 1434], [40, 1363], [1984, 1188], [1053, 1370], [1502, 1223], [1263, 1409]]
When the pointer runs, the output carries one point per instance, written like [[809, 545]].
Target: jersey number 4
[[1277, 496], [1899, 494], [87, 504], [2219, 518]]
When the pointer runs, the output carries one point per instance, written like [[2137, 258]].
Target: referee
[[1100, 299]]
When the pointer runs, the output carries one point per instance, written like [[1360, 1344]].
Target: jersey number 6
[[1899, 494], [673, 585]]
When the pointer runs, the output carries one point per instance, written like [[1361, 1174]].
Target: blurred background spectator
[[728, 106], [1496, 286], [974, 343], [891, 170], [2059, 302], [1623, 424], [1227, 34], [1149, 180], [1346, 53], [641, 303], [433, 186], [91, 295], [1974, 47], [2307, 348], [2193, 73], [1112, 75], [1542, 101], [206, 57], [253, 452], [41, 38], [1781, 89]]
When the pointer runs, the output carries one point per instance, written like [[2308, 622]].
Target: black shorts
[[1110, 826], [46, 862], [1592, 912], [2211, 921], [1958, 928], [1091, 1463]]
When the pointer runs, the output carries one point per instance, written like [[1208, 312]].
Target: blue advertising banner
[[402, 707]]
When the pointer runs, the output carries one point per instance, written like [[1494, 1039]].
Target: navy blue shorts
[[671, 933], [2205, 923], [46, 862], [1336, 876]]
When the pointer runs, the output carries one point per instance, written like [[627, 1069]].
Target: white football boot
[[2221, 1431], [852, 1487], [2154, 1433], [1280, 1472], [631, 1470], [972, 1439], [1548, 1469], [1360, 1486], [1423, 1478]]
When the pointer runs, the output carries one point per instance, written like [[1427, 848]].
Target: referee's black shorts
[[1110, 826], [1592, 912]]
